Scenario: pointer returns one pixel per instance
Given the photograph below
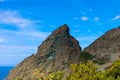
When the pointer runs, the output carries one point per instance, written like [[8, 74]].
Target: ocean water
[[4, 71]]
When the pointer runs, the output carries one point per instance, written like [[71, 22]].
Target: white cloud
[[19, 44], [19, 37], [88, 30], [11, 17], [115, 18], [34, 34], [1, 40], [90, 9], [2, 0], [84, 18], [96, 18]]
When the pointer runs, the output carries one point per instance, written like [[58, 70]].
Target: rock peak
[[62, 29], [57, 52]]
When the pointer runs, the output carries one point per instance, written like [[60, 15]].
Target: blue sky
[[24, 24]]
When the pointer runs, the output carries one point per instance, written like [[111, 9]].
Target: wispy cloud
[[39, 34], [88, 30], [96, 18], [86, 40], [76, 31], [1, 39], [14, 54], [76, 18], [90, 9], [14, 18], [115, 18], [17, 47], [2, 0], [19, 42], [20, 37], [84, 18]]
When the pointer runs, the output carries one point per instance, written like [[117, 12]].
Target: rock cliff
[[57, 52]]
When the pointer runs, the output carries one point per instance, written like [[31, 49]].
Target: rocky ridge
[[107, 47]]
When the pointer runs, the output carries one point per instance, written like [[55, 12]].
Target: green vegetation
[[18, 78], [88, 71], [114, 70], [55, 76], [84, 71]]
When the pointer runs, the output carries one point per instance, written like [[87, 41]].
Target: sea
[[4, 71]]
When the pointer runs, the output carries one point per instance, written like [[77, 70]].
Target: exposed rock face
[[56, 53], [108, 43], [107, 47]]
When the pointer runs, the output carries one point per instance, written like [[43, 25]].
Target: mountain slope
[[107, 47], [57, 52]]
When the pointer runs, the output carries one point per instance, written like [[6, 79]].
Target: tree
[[114, 70]]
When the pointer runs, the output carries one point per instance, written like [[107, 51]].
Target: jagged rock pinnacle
[[57, 52]]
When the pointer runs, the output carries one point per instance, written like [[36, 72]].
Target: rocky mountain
[[60, 50], [57, 52], [107, 47]]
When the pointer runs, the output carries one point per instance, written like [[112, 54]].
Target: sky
[[24, 24]]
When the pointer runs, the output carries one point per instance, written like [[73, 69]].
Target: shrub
[[56, 76], [88, 71], [85, 56], [114, 70]]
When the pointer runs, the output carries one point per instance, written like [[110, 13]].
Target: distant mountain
[[57, 52]]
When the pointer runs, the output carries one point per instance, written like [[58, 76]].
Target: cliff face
[[56, 53]]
